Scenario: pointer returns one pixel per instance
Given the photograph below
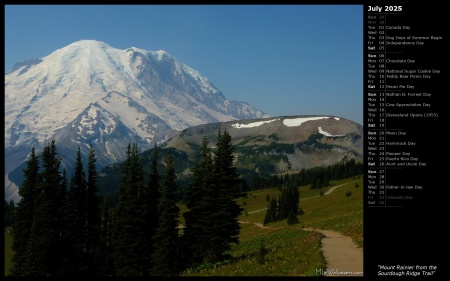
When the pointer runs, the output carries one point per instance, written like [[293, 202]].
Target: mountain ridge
[[262, 147], [279, 145]]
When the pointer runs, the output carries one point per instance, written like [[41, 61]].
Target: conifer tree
[[129, 233], [271, 215], [283, 204], [292, 218], [93, 216], [106, 262], [24, 215], [165, 259], [289, 203], [75, 221], [152, 195], [294, 199], [9, 213], [226, 229], [200, 200], [45, 249]]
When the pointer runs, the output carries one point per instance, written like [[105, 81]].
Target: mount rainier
[[91, 93]]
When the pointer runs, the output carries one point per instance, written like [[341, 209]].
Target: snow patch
[[160, 54], [251, 125], [299, 121], [327, 134]]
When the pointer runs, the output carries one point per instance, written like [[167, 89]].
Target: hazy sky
[[282, 59]]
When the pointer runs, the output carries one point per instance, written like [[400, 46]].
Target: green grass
[[337, 211], [292, 251], [8, 253]]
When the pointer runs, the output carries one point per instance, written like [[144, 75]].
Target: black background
[[414, 234]]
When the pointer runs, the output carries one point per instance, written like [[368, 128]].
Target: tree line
[[317, 177], [286, 207], [61, 227]]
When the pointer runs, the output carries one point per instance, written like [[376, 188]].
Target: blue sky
[[283, 59]]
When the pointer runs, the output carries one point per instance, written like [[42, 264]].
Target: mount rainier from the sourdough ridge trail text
[[91, 93]]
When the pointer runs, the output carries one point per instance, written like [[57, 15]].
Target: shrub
[[292, 218], [261, 258]]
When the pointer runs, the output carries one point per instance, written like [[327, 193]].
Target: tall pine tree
[[93, 216], [211, 224], [45, 249], [165, 259], [152, 195], [105, 262], [227, 189], [271, 214], [75, 222], [129, 236], [200, 200], [24, 214]]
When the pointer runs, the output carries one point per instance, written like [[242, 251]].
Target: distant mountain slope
[[90, 93], [276, 145], [281, 144]]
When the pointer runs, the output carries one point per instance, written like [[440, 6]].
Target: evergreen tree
[[75, 224], [212, 220], [292, 218], [93, 216], [105, 262], [165, 258], [25, 210], [129, 233], [294, 199], [45, 249], [226, 227], [9, 213], [283, 204], [271, 214], [289, 203], [152, 195], [200, 201]]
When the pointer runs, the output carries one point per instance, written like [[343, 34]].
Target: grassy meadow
[[291, 250], [278, 249]]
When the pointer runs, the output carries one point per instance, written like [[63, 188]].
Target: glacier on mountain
[[91, 93]]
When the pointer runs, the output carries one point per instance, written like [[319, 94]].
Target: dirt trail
[[343, 257], [260, 225]]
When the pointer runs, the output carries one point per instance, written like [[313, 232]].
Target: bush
[[348, 194], [292, 218], [261, 258]]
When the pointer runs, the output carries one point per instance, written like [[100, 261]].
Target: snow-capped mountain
[[90, 93]]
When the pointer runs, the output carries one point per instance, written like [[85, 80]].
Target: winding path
[[343, 257]]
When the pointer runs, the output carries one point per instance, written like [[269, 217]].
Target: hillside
[[295, 250], [280, 145], [263, 147]]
